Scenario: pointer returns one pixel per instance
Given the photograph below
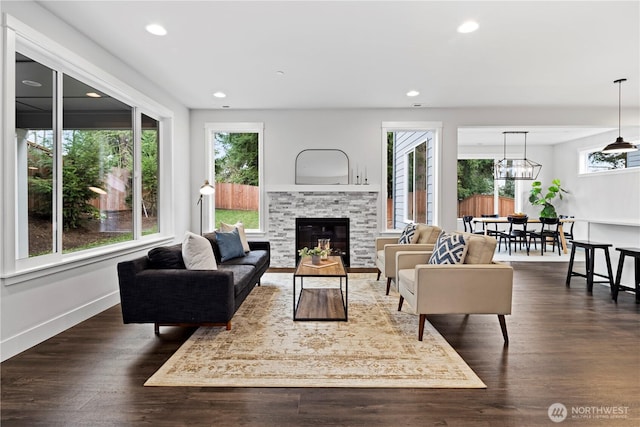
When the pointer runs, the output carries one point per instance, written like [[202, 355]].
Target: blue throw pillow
[[229, 244], [450, 249]]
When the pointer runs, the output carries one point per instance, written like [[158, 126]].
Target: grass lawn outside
[[229, 216]]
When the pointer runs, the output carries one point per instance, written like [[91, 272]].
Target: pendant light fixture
[[516, 169], [620, 145]]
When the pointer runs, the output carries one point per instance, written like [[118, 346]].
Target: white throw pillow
[[197, 253], [226, 228]]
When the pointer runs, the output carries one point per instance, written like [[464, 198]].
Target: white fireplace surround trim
[[369, 188]]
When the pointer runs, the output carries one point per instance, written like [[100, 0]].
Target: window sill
[[80, 259]]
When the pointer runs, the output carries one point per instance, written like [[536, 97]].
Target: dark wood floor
[[566, 346]]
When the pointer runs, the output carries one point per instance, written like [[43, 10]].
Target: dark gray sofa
[[158, 289]]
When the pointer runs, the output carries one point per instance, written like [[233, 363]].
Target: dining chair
[[568, 235], [469, 227], [549, 230], [495, 232], [517, 233]]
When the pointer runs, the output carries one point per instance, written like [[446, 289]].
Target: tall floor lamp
[[205, 190]]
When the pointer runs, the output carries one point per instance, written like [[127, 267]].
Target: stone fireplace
[[360, 207]]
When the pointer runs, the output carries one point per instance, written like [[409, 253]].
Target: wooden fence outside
[[237, 196], [483, 204]]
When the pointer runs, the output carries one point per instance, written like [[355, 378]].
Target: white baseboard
[[42, 332]]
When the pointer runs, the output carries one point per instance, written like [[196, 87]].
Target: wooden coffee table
[[319, 302]]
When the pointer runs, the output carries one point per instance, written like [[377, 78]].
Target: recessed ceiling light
[[156, 29], [468, 27], [93, 95], [31, 83], [413, 93], [280, 73], [220, 95]]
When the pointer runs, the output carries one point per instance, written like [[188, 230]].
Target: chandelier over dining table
[[515, 168]]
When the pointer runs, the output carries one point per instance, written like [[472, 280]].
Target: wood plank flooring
[[320, 304], [566, 346]]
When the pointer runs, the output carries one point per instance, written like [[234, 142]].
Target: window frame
[[208, 207], [19, 37], [436, 128], [583, 155]]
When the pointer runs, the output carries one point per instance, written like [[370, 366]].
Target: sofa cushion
[[450, 248], [427, 233], [240, 227], [242, 275], [256, 258], [229, 244], [197, 253], [409, 234], [211, 237], [480, 248], [166, 257], [408, 279]]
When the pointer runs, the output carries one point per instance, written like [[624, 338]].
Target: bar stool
[[589, 251], [635, 253]]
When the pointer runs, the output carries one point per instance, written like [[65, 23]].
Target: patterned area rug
[[377, 347]]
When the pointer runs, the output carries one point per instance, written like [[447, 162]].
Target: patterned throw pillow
[[449, 249], [408, 234]]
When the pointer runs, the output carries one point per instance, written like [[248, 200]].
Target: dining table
[[505, 220]]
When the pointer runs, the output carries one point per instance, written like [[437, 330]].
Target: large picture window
[[479, 194], [410, 162], [234, 164], [77, 150]]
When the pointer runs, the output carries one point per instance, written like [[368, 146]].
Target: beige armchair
[[387, 247], [479, 286]]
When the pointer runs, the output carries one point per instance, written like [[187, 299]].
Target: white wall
[[34, 310], [358, 133], [601, 198]]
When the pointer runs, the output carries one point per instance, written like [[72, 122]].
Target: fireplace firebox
[[309, 230]]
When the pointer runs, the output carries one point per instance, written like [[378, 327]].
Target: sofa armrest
[[381, 241], [464, 288], [409, 259], [177, 296], [390, 252]]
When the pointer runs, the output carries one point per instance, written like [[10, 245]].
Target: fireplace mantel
[[351, 188]]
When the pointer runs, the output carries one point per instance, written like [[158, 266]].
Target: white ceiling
[[362, 54], [537, 135]]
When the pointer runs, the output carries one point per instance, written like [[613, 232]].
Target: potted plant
[[314, 253], [538, 197]]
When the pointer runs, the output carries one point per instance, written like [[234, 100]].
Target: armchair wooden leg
[[156, 329], [423, 318], [503, 326], [400, 303], [379, 272], [228, 325], [388, 284]]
